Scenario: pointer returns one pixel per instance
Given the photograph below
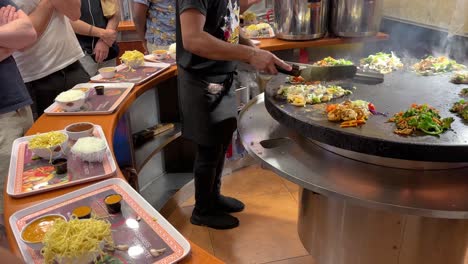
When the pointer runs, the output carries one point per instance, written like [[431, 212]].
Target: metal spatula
[[330, 73]]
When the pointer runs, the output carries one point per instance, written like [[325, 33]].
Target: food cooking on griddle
[[420, 117], [464, 92], [302, 94], [382, 62], [298, 80], [460, 77], [329, 61], [461, 108], [352, 113], [433, 65]]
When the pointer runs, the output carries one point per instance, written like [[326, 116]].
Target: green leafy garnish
[[423, 118]]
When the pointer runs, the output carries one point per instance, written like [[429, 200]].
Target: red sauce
[[80, 127]]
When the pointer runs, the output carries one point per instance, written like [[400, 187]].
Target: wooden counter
[[109, 122]]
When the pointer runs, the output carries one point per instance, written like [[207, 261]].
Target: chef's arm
[[246, 4], [70, 8], [17, 34], [199, 42], [244, 40]]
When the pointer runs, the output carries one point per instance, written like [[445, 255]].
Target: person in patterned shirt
[[155, 23]]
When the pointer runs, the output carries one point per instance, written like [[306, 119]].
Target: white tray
[[53, 109], [14, 159], [161, 65], [162, 228]]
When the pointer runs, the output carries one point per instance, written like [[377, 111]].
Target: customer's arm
[[16, 30], [41, 16], [199, 42], [245, 4], [140, 11], [70, 8]]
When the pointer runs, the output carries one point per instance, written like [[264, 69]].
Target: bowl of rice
[[172, 50], [71, 100], [90, 149], [49, 145]]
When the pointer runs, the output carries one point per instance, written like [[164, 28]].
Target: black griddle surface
[[395, 94]]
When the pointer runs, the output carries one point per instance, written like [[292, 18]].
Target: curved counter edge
[[109, 122]]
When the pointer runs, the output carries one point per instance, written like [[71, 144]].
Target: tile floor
[[267, 233]]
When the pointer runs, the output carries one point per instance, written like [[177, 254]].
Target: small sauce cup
[[113, 203], [60, 165], [99, 89], [82, 212]]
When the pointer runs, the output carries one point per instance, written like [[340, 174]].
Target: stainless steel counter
[[354, 212], [437, 193]]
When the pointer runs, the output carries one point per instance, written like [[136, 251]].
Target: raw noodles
[[75, 239]]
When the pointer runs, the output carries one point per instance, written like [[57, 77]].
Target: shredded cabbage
[[382, 62]]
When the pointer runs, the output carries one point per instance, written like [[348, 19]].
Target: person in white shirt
[[51, 65]]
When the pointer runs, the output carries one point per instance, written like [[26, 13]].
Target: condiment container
[[82, 212], [99, 89], [79, 130], [113, 203], [60, 165]]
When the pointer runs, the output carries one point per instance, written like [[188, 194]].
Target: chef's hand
[[108, 36], [101, 50], [7, 14], [265, 61]]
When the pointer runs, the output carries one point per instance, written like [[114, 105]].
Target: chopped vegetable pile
[[461, 108], [302, 94], [464, 92], [329, 61], [382, 62], [299, 80], [420, 117], [434, 65], [460, 77], [353, 113]]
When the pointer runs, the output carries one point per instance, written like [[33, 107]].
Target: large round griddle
[[396, 93]]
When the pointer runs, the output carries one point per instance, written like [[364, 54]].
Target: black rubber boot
[[228, 204], [214, 219], [224, 203]]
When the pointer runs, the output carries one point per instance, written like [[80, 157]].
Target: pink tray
[[151, 231], [29, 175], [168, 59], [114, 94], [137, 76]]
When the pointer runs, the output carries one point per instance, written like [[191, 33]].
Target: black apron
[[206, 103]]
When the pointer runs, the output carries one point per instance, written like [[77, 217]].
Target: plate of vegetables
[[422, 117]]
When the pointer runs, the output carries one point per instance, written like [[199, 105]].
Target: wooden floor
[[267, 231]]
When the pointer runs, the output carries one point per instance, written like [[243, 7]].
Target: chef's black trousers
[[208, 168]]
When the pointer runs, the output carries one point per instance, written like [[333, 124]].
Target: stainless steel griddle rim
[[258, 155], [418, 150]]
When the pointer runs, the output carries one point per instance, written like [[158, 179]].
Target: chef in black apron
[[208, 38]]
